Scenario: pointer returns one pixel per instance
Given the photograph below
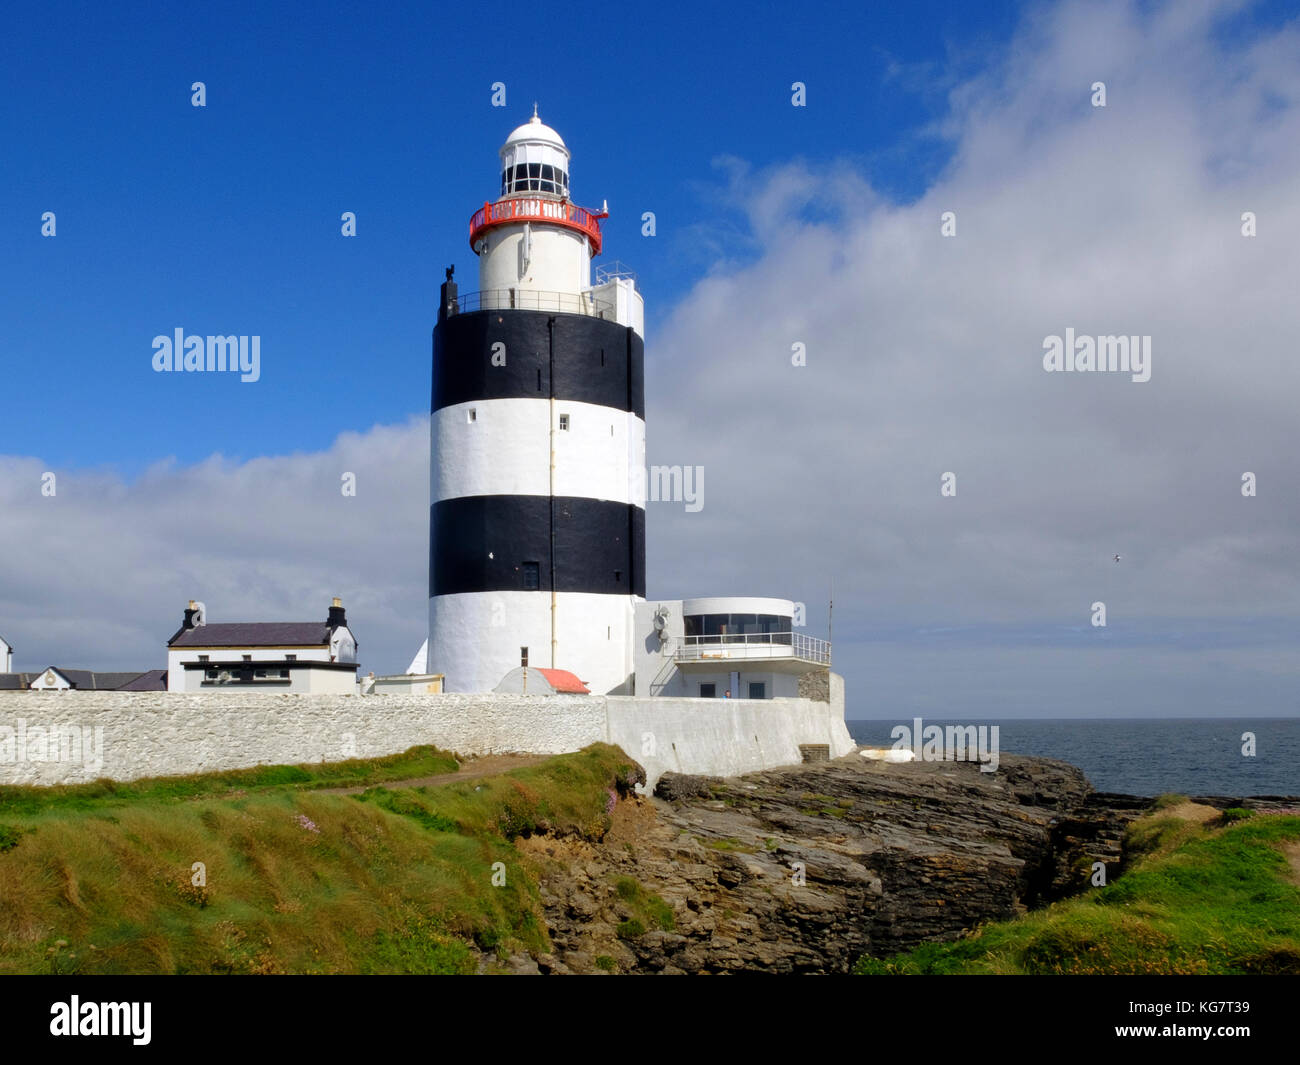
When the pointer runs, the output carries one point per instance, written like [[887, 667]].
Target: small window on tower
[[523, 657], [532, 576], [471, 415], [564, 422]]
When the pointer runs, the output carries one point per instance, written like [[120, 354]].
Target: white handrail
[[750, 645], [523, 299]]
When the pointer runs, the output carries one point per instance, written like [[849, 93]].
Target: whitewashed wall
[[127, 735]]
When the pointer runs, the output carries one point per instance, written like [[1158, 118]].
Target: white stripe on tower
[[478, 444]]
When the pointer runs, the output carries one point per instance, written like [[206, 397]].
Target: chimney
[[194, 615], [337, 617]]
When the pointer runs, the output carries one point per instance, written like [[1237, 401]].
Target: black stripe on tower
[[599, 545], [596, 361]]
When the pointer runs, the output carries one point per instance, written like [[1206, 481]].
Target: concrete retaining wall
[[75, 737]]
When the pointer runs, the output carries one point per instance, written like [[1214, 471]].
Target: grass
[[390, 881], [416, 762], [648, 909], [1202, 898]]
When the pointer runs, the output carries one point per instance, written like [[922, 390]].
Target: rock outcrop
[[804, 869]]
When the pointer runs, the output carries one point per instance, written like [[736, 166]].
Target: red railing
[[538, 209]]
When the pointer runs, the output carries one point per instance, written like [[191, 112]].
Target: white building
[[288, 656], [6, 656], [741, 647]]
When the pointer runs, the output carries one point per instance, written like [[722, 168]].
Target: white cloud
[[98, 575], [924, 355]]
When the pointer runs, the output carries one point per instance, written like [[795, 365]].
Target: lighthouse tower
[[537, 497]]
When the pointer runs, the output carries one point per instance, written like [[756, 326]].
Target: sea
[[1146, 756]]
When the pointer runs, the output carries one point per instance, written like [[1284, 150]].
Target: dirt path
[[487, 766], [1291, 851]]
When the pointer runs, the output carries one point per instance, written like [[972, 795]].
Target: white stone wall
[[128, 735], [723, 737]]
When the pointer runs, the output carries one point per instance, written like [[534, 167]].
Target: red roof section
[[564, 681]]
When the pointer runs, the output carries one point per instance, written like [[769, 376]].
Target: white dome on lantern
[[535, 131], [534, 159]]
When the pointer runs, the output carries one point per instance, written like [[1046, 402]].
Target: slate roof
[[153, 681], [81, 679], [254, 634]]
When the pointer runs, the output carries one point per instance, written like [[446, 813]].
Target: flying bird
[[1117, 558]]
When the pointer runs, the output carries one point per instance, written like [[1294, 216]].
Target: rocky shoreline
[[805, 868]]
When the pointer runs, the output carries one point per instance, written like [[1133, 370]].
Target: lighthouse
[[537, 441]]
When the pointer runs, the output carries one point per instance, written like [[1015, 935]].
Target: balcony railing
[[522, 299], [537, 209], [747, 646], [614, 271]]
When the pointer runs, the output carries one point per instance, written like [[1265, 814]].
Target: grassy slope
[[98, 879], [1201, 899], [416, 762]]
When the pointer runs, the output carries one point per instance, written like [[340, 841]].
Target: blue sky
[[775, 225], [226, 218]]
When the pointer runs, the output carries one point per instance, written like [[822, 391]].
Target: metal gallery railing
[[747, 646], [544, 209], [522, 299]]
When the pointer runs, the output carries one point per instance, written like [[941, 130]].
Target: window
[[291, 658], [523, 657], [471, 415], [564, 423], [618, 575], [247, 658], [532, 577], [203, 658], [757, 690], [708, 691]]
